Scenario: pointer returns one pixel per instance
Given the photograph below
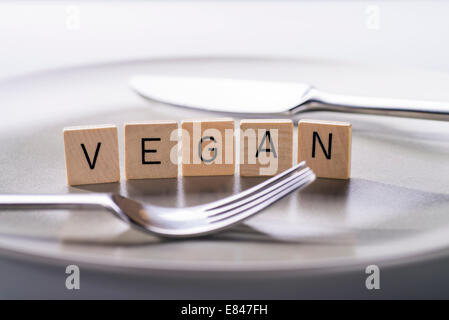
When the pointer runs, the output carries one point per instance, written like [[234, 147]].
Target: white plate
[[394, 208]]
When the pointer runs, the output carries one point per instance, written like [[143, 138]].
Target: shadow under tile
[[97, 188], [198, 190], [249, 182], [161, 192]]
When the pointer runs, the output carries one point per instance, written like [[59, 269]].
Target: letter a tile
[[151, 150], [266, 147], [326, 147], [91, 154]]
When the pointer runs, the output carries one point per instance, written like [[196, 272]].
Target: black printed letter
[[200, 149], [262, 144], [91, 164], [144, 151], [327, 154]]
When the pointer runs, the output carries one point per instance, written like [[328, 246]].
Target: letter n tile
[[326, 147]]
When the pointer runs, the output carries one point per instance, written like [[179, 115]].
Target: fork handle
[[380, 106], [54, 201]]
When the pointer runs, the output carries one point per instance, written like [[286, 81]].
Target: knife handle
[[322, 101]]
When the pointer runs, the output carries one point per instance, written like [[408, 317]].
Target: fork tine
[[238, 203], [244, 214], [250, 208], [256, 188]]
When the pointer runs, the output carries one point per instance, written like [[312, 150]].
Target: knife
[[265, 98]]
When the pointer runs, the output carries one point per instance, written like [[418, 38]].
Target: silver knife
[[265, 98]]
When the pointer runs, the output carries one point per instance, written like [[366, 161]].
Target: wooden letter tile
[[91, 154], [151, 150], [208, 147], [326, 147], [266, 147]]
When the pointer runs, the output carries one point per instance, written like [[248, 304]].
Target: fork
[[175, 222]]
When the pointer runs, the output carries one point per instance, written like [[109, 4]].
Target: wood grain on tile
[[266, 147], [326, 147], [91, 154], [208, 147], [148, 150]]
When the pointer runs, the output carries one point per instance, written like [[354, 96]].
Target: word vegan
[[156, 149]]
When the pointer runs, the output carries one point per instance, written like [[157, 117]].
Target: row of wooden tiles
[[92, 152]]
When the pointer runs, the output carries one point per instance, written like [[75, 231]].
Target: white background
[[39, 35]]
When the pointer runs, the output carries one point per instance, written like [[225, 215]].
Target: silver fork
[[175, 222]]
